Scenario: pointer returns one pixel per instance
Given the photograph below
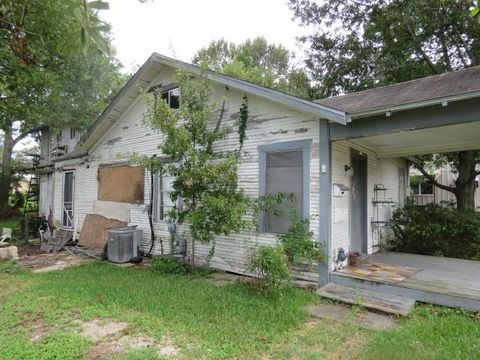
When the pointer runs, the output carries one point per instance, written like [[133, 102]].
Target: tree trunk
[[6, 178], [465, 183]]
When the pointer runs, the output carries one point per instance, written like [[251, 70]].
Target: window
[[284, 167], [172, 97], [162, 204], [59, 138], [72, 134]]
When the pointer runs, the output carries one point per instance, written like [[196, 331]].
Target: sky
[[179, 28]]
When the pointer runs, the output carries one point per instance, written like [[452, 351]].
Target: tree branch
[[28, 132], [432, 180], [446, 56], [425, 57]]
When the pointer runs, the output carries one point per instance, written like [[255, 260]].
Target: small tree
[[206, 178]]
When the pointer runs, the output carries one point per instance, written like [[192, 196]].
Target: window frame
[[73, 134], [158, 196], [160, 90], [287, 146]]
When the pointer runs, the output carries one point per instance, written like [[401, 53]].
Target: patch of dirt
[[28, 249], [114, 337], [104, 350], [38, 328], [97, 329], [45, 262]]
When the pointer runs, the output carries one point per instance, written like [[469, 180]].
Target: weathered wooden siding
[[380, 171], [269, 123]]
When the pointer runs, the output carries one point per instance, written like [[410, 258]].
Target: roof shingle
[[410, 92]]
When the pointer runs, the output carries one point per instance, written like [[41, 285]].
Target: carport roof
[[457, 85]]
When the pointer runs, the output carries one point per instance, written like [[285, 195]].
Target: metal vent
[[123, 244]]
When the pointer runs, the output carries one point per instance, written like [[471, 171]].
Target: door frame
[[364, 189], [63, 199]]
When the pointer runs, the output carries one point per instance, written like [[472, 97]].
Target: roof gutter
[[443, 101]]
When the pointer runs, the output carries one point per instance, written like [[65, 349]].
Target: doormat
[[379, 272]]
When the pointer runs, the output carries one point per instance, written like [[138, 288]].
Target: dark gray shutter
[[284, 173]]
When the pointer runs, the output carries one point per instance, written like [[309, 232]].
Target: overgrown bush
[[270, 264], [436, 230], [299, 243], [168, 265]]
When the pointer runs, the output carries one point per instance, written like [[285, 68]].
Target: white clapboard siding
[[268, 123]]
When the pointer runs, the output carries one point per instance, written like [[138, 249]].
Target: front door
[[68, 196], [358, 200]]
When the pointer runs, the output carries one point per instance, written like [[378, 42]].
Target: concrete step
[[391, 304]]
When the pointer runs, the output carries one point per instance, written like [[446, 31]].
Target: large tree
[[360, 44], [257, 61], [47, 79]]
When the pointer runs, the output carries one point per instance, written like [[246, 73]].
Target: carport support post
[[325, 198]]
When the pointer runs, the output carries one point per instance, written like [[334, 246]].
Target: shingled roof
[[429, 90]]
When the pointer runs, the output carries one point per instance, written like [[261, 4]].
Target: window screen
[[284, 173]]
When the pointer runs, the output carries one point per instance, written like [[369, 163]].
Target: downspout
[[150, 215]]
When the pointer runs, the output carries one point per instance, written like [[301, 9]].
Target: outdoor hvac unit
[[123, 244]]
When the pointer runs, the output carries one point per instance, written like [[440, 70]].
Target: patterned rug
[[379, 272]]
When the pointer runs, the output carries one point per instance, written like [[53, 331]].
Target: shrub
[[436, 230], [299, 243], [270, 264], [168, 265]]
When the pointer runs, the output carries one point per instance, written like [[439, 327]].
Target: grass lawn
[[204, 321]]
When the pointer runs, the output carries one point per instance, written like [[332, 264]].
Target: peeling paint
[[300, 131], [281, 131], [113, 141]]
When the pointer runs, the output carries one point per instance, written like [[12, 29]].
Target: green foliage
[[206, 178], [168, 265], [256, 61], [436, 230], [359, 44], [11, 267], [430, 332], [229, 322], [242, 121], [270, 264], [354, 45], [299, 243], [202, 320], [92, 28], [46, 79]]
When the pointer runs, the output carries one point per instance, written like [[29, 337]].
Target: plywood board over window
[[121, 184]]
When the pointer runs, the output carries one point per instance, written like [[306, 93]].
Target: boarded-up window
[[121, 184], [284, 173]]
